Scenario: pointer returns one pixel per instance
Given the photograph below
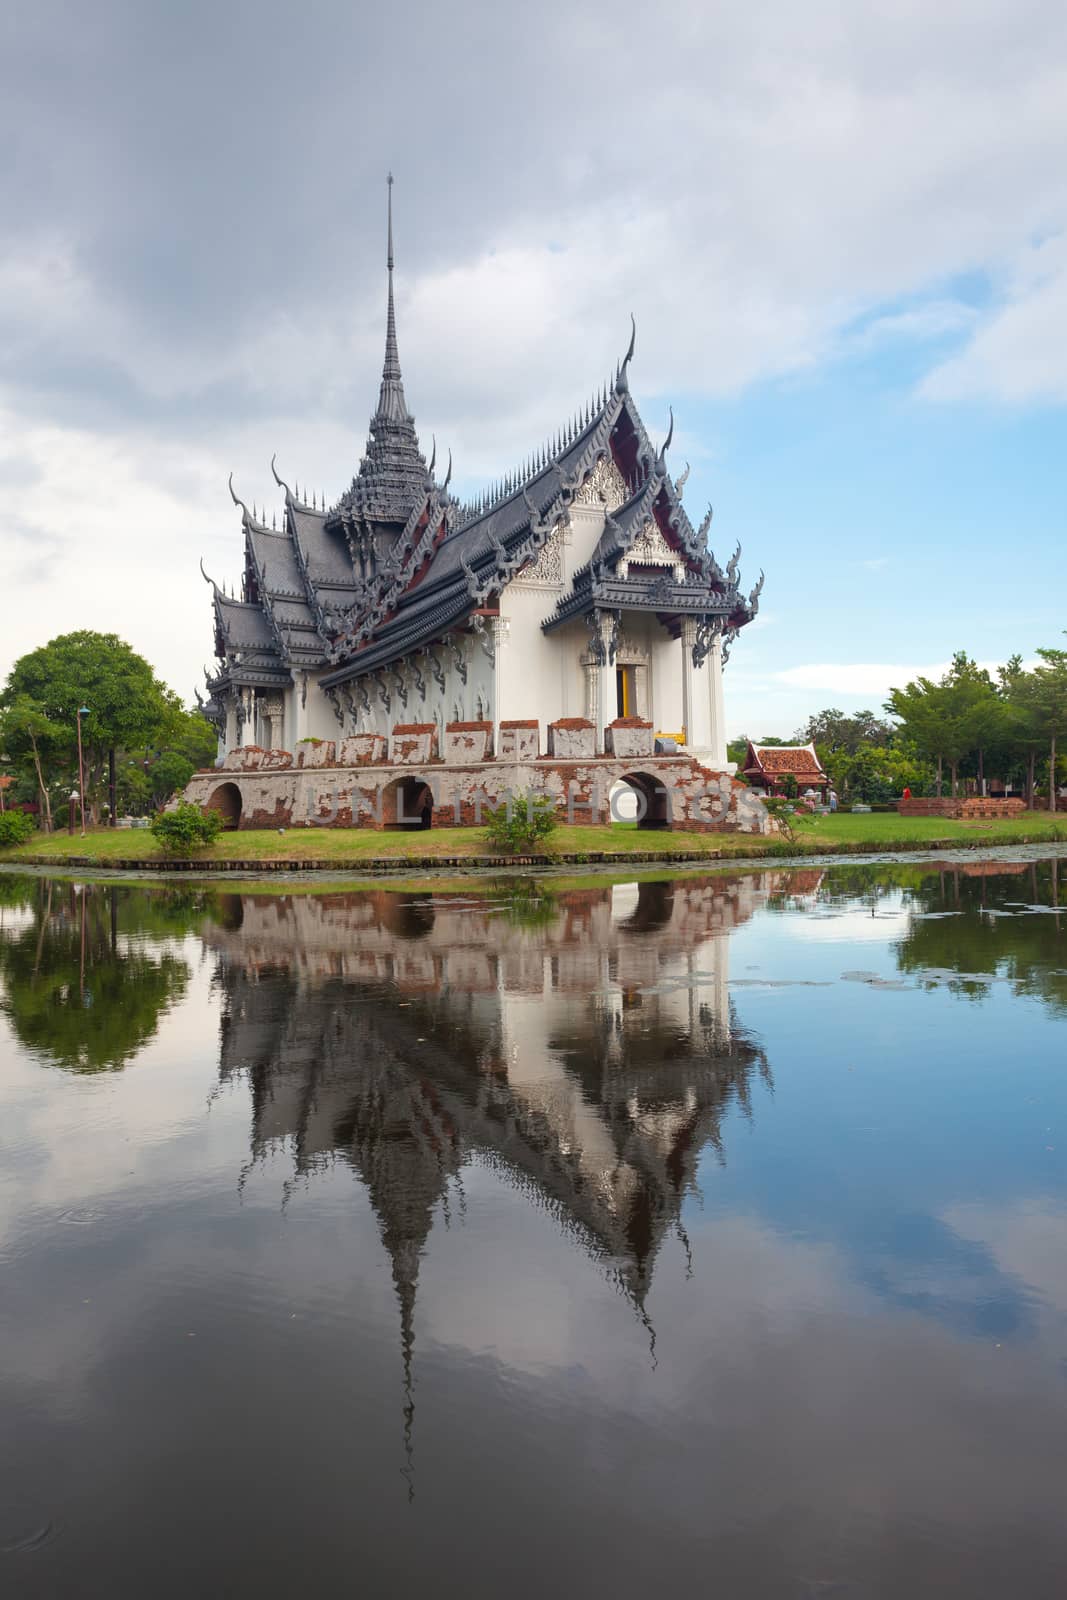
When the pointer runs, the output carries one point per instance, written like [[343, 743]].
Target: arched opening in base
[[408, 803], [650, 806], [226, 800]]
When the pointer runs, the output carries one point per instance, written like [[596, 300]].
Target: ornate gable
[[604, 489], [650, 549]]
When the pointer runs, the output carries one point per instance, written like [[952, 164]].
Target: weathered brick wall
[[312, 754], [960, 808], [414, 743], [627, 737], [467, 741], [520, 741], [675, 791], [363, 750], [572, 738]]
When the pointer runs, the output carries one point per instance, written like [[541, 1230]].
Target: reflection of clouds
[[100, 1141], [1028, 1240]]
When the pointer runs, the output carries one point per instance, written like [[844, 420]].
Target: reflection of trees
[[991, 934], [77, 989]]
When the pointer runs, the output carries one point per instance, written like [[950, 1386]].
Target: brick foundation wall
[[676, 791], [960, 808]]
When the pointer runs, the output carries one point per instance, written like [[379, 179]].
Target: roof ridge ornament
[[235, 497], [621, 378], [661, 460]]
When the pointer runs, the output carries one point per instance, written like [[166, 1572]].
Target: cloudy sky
[[842, 230]]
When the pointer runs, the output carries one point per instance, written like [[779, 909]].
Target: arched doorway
[[408, 803], [653, 802], [227, 801]]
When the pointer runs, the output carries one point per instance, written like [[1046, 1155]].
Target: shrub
[[186, 828], [525, 820], [781, 810], [15, 827]]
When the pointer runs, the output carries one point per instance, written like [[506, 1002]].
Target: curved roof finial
[[236, 498], [279, 481], [661, 464], [448, 474], [205, 577], [681, 480], [433, 455], [622, 381]]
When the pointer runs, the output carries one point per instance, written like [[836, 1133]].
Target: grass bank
[[356, 849]]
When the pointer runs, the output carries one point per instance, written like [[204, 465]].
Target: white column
[[607, 699], [500, 669], [688, 640], [230, 736], [718, 708]]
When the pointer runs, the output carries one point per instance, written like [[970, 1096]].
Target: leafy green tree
[[1044, 692], [127, 704], [948, 720], [30, 738], [834, 730], [1021, 734]]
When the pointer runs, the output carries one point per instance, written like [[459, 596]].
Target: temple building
[[576, 587], [571, 612]]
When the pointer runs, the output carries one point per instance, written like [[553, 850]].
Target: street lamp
[[83, 711], [74, 799]]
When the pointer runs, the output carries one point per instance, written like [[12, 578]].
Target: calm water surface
[[708, 1233]]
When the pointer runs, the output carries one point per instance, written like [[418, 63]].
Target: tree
[[1044, 691], [835, 731], [27, 733], [950, 719], [1020, 729], [127, 704]]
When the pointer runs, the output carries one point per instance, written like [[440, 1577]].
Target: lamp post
[[83, 711], [75, 796]]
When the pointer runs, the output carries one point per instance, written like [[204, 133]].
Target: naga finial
[[681, 480], [621, 378], [433, 456], [661, 463], [448, 474], [205, 577], [237, 499], [733, 565]]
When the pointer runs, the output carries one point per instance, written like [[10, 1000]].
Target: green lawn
[[844, 832], [880, 827]]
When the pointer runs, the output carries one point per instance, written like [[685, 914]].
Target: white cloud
[[872, 678], [1018, 353], [177, 307]]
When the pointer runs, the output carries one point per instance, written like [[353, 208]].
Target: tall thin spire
[[391, 402]]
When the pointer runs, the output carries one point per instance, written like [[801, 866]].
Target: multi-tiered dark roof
[[397, 563]]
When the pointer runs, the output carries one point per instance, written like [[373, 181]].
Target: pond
[[561, 1236]]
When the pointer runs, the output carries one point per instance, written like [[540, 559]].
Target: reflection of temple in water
[[582, 1044]]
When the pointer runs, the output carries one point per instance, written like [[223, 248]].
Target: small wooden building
[[767, 767]]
